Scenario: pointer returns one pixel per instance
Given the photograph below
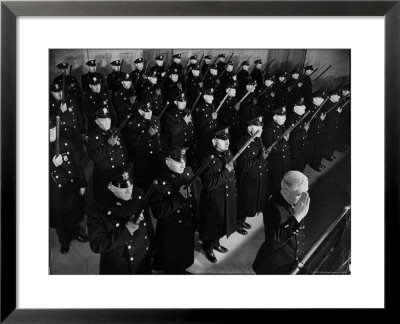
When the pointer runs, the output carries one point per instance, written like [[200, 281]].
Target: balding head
[[293, 184]]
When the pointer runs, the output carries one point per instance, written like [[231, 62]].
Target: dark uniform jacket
[[307, 89], [279, 158], [204, 124], [85, 79], [331, 127], [159, 70], [251, 175], [114, 80], [170, 91], [210, 81], [220, 67], [120, 252], [146, 150], [123, 104], [265, 104], [204, 69], [175, 131], [227, 114], [218, 198], [297, 143], [137, 79], [106, 158], [192, 88], [242, 78], [284, 239], [314, 138], [66, 205], [176, 221], [149, 94], [257, 75], [92, 102], [72, 87], [226, 79], [281, 93]]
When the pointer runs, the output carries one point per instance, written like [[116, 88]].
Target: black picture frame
[[10, 10]]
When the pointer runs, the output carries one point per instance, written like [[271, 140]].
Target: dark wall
[[284, 59]]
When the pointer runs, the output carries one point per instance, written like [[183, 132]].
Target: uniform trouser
[[66, 229], [209, 244]]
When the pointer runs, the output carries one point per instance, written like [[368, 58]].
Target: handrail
[[316, 245]]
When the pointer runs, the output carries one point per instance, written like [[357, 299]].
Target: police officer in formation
[[219, 200]]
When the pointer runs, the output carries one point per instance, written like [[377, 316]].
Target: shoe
[[322, 166], [82, 238], [242, 231], [64, 248], [220, 248], [210, 256], [331, 158], [246, 225]]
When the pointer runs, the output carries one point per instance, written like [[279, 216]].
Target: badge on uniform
[[141, 216], [70, 109], [65, 157]]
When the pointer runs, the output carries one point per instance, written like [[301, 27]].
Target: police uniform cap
[[257, 62], [193, 57], [309, 67], [346, 87], [63, 65], [116, 63], [121, 177], [145, 106], [153, 74], [251, 82], [209, 92], [229, 63], [255, 121], [91, 63], [177, 56], [173, 71], [207, 57], [214, 67], [176, 153], [231, 85], [56, 87], [196, 67], [281, 111], [138, 60], [295, 71], [94, 81], [319, 94], [159, 58], [335, 91], [221, 55], [245, 63], [181, 97], [269, 77], [126, 77], [102, 112], [281, 74], [221, 133], [299, 102]]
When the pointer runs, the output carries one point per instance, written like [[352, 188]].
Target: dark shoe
[[246, 225], [210, 256], [220, 248], [242, 231], [322, 166], [64, 248], [331, 158], [82, 238]]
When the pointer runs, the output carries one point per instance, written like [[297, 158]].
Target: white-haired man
[[283, 226]]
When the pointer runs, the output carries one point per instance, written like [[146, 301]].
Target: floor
[[329, 192]]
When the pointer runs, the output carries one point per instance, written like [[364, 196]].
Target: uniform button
[[178, 211], [129, 247], [145, 237], [111, 159], [109, 212], [72, 180], [66, 144], [56, 177], [147, 248], [144, 224], [180, 221], [59, 185], [169, 192], [112, 166], [140, 197], [69, 171], [117, 225], [132, 258]]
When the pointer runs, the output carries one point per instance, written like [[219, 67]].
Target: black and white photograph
[[199, 161]]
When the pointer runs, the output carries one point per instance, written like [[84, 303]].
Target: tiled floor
[[329, 191]]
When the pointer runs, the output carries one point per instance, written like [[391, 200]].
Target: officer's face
[[335, 98], [345, 93], [208, 98], [258, 66], [127, 84], [295, 76], [121, 193], [174, 77], [249, 87], [95, 88], [92, 69], [159, 62], [213, 71], [176, 166], [52, 134], [281, 78], [318, 101], [222, 59], [181, 104], [208, 61], [64, 71], [280, 119], [193, 61], [300, 110], [146, 114], [221, 144], [245, 67], [196, 73], [116, 68], [293, 194], [103, 123], [57, 95], [268, 83], [308, 72], [153, 79], [254, 129], [232, 92], [229, 68], [139, 66], [177, 60]]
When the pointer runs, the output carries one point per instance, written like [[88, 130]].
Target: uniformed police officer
[[177, 128], [206, 65], [193, 84], [72, 87], [298, 138], [284, 226], [125, 98], [114, 78], [265, 101], [96, 99], [86, 78], [227, 76], [218, 198], [144, 139], [176, 65], [67, 187], [343, 138], [281, 92], [175, 207], [257, 75], [221, 63], [71, 124], [123, 243], [279, 159], [170, 88], [137, 75], [107, 150], [211, 79], [159, 68], [247, 108], [307, 84], [228, 115], [205, 122], [192, 63], [151, 92], [251, 175], [243, 76], [315, 132]]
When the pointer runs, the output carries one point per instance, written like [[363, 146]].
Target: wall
[[284, 59]]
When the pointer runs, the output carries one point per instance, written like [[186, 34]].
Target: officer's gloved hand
[[113, 140], [322, 116], [63, 107], [214, 115], [153, 130], [132, 227], [188, 119], [302, 206], [306, 127], [229, 166], [57, 160], [237, 106], [184, 192]]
